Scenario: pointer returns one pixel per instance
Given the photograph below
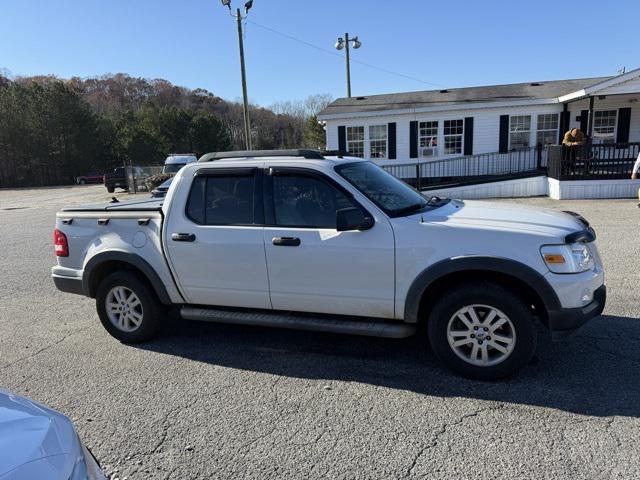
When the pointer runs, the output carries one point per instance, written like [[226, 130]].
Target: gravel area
[[212, 401]]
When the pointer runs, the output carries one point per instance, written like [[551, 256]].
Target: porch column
[[564, 123], [590, 124]]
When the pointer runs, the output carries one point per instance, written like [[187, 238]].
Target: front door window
[[306, 201]]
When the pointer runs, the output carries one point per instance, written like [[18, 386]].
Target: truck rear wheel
[[482, 331], [128, 308]]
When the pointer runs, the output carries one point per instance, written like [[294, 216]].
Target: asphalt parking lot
[[212, 401]]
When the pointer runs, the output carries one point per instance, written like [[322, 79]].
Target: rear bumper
[[68, 284], [566, 321], [68, 280]]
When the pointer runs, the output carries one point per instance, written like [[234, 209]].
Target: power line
[[330, 52]]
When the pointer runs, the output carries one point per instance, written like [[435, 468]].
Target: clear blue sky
[[449, 43]]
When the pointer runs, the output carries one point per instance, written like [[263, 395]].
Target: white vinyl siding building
[[426, 126]]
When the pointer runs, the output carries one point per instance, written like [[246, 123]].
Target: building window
[[604, 126], [547, 131], [519, 132], [378, 141], [355, 141], [453, 131], [428, 139]]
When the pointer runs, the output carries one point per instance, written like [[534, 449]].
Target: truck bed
[[145, 205], [131, 228]]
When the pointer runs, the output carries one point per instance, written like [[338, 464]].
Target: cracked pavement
[[214, 401]]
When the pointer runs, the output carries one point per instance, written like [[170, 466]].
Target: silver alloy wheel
[[481, 335], [124, 309]]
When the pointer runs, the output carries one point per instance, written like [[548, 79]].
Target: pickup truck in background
[[298, 240], [117, 178]]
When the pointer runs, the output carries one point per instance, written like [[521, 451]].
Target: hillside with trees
[[52, 130]]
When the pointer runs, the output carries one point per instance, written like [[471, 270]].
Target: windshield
[[173, 167], [166, 184], [393, 196]]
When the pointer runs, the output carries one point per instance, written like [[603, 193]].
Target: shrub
[[154, 180]]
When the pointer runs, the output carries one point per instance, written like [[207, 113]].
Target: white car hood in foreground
[[35, 442], [504, 217]]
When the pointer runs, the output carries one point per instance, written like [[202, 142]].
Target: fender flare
[[505, 266], [132, 259]]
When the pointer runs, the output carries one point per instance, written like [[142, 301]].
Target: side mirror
[[353, 218]]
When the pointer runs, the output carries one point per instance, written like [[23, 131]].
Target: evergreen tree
[[314, 134]]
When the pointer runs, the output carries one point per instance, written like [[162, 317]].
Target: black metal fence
[[485, 167], [592, 162]]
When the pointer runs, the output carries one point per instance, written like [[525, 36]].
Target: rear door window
[[222, 199]]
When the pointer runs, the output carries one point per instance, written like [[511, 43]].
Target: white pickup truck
[[298, 240]]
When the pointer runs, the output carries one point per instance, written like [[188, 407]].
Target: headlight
[[572, 258]]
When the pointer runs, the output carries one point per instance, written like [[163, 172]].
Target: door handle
[[286, 241], [183, 237]]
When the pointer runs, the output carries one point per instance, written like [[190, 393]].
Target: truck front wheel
[[128, 308], [482, 331], [111, 189]]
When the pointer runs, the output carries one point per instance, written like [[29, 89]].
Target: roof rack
[[335, 153], [305, 153]]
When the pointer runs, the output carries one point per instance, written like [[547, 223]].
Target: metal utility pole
[[245, 97], [344, 43]]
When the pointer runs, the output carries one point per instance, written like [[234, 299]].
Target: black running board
[[344, 325]]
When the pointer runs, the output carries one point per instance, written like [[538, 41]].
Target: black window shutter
[[503, 144], [468, 136], [584, 121], [413, 139], [624, 122], [342, 139], [391, 135]]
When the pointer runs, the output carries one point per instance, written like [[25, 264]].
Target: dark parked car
[[161, 190], [93, 177]]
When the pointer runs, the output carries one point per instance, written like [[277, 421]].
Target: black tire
[[111, 189], [151, 311], [82, 181], [483, 294]]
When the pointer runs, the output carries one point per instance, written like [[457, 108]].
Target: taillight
[[60, 245]]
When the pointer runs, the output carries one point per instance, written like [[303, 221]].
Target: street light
[[238, 16], [344, 43]]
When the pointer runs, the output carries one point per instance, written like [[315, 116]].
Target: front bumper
[[564, 322]]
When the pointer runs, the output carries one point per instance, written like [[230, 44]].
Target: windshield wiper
[[410, 208], [436, 201]]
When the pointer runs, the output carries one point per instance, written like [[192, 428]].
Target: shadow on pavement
[[597, 372]]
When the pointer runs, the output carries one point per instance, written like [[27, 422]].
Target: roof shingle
[[451, 96]]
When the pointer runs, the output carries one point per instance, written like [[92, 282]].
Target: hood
[[30, 432], [504, 217]]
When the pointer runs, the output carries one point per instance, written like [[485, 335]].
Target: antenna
[[622, 71]]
